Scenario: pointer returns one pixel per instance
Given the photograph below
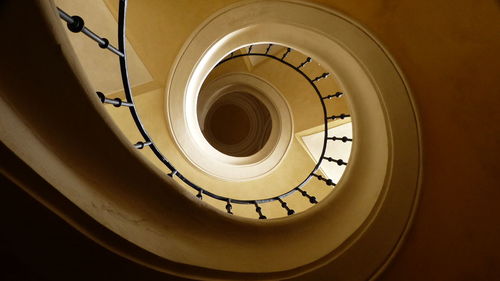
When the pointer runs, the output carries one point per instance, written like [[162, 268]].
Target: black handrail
[[76, 24]]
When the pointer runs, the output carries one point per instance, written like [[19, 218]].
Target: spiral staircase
[[263, 145]]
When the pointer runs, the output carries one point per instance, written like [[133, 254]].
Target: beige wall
[[168, 24]]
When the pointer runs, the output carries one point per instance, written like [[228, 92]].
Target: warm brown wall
[[449, 52]]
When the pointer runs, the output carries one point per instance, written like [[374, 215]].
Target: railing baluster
[[116, 102], [268, 48], [141, 144], [258, 209], [339, 162], [250, 49], [328, 182], [343, 139], [336, 95], [229, 207], [288, 50], [308, 60], [285, 206], [322, 76], [200, 194], [172, 173], [77, 24], [312, 199], [341, 116]]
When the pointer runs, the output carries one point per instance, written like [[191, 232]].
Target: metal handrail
[[76, 24]]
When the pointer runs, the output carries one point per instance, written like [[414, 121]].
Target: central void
[[236, 124]]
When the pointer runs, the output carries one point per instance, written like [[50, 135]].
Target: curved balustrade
[[76, 24]]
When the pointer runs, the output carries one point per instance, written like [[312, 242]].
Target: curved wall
[[442, 221]]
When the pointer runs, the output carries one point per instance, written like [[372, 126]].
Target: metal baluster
[[258, 209], [312, 199], [343, 139], [339, 162], [322, 76], [268, 48], [116, 102], [288, 50], [308, 60], [141, 144], [229, 207], [328, 182], [336, 95], [250, 49], [341, 116], [285, 206], [200, 194], [172, 174]]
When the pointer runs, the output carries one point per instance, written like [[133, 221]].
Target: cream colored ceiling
[[101, 66]]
